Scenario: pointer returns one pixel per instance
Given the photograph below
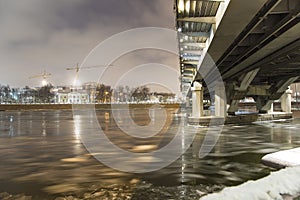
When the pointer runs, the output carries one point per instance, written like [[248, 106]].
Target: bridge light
[[187, 6], [181, 6]]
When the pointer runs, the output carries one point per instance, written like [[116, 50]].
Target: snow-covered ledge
[[272, 187], [281, 159]]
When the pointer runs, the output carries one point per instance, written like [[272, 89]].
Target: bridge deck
[[255, 47]]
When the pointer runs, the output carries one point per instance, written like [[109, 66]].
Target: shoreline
[[24, 107], [134, 190]]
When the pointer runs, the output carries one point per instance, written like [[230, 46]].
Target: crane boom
[[77, 68], [44, 75]]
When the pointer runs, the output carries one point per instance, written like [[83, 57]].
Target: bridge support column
[[233, 107], [286, 101], [264, 106], [187, 103], [197, 99], [271, 110], [240, 92], [220, 101], [277, 91]]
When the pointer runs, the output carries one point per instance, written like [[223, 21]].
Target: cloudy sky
[[38, 35]]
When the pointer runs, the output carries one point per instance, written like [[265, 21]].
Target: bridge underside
[[255, 47]]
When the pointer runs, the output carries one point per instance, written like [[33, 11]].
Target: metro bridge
[[255, 46]]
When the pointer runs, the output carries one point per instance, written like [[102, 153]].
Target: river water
[[41, 155]]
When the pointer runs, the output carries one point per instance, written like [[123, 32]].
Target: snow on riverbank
[[272, 187]]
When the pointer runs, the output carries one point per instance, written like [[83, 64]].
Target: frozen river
[[42, 156]]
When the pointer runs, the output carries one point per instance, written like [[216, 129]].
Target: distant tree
[[14, 94], [141, 93], [145, 92], [29, 95], [26, 94], [103, 93], [128, 93], [164, 96], [45, 94], [5, 93], [119, 94], [1, 94]]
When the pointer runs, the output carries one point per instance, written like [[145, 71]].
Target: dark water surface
[[41, 153]]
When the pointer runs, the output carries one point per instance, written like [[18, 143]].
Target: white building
[[71, 95], [78, 97], [62, 97]]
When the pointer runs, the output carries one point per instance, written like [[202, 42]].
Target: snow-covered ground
[[272, 187]]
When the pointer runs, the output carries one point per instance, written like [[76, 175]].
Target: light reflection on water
[[40, 151]]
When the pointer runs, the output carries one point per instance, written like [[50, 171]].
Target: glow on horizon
[[76, 82], [44, 82]]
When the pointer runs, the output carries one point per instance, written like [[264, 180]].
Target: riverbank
[[135, 190], [283, 184], [22, 107]]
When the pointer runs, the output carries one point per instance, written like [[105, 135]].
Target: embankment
[[19, 107]]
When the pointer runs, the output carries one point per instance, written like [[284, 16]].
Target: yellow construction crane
[[77, 69], [44, 75]]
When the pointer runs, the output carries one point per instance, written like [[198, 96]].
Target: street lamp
[[106, 93]]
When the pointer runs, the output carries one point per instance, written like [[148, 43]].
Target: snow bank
[[285, 181], [286, 158]]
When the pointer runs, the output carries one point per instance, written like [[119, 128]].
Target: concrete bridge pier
[[220, 101], [276, 91], [271, 110], [187, 102], [286, 101], [197, 100], [197, 117], [238, 90]]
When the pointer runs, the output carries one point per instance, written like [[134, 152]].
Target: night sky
[[51, 35]]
